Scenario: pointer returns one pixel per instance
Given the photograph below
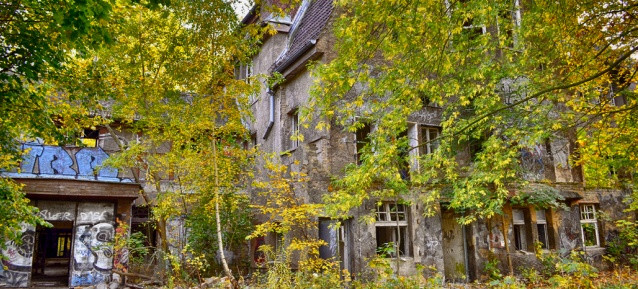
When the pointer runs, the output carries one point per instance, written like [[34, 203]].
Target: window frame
[[542, 222], [244, 71], [398, 226], [90, 138], [426, 141], [519, 229], [589, 217], [293, 119], [362, 141]]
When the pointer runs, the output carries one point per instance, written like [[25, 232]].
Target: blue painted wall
[[47, 161]]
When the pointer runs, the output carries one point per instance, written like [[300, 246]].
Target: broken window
[[429, 139], [589, 225], [392, 229], [541, 225], [520, 234], [90, 137], [361, 138]]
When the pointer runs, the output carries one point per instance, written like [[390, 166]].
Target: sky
[[241, 7]]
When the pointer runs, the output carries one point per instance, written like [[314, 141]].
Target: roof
[[308, 24]]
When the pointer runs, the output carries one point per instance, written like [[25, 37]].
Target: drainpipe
[[271, 101]]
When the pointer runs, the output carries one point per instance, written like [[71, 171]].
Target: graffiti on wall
[[92, 253], [532, 164], [42, 160], [18, 259], [56, 210]]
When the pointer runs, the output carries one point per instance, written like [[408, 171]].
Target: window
[[541, 225], [245, 72], [392, 229], [280, 245], [429, 139], [294, 128], [361, 138], [64, 245], [404, 155], [589, 225], [90, 137], [509, 21], [520, 234], [471, 29]]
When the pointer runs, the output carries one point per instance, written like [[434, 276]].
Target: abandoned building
[[83, 201], [459, 252]]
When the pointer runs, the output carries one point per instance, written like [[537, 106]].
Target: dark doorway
[[52, 254]]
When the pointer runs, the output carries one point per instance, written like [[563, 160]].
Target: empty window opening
[[541, 225], [589, 225], [404, 155], [90, 137], [392, 230], [471, 29], [520, 233], [361, 138]]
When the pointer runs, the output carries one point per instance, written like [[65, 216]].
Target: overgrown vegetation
[[163, 72]]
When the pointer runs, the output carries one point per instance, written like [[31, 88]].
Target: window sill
[[402, 258], [594, 248], [288, 151]]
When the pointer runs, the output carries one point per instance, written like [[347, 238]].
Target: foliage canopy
[[502, 76]]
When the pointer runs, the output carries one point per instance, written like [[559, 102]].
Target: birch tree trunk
[[220, 243]]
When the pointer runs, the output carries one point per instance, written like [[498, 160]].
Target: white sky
[[242, 7]]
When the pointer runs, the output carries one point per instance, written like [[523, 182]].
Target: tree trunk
[[507, 247], [220, 243], [398, 244]]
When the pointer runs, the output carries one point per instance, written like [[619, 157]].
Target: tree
[[507, 75], [168, 81], [36, 40]]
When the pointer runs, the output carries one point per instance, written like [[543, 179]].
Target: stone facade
[[459, 252]]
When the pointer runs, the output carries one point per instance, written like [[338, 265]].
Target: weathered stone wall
[[323, 155]]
